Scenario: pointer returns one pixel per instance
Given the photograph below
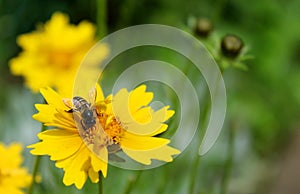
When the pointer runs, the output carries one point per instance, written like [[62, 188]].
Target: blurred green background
[[263, 102]]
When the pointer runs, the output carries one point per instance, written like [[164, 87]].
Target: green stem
[[197, 161], [101, 17], [206, 111], [100, 184], [229, 161], [35, 168], [195, 167]]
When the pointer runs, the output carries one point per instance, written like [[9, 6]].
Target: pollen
[[112, 127], [96, 135], [89, 136]]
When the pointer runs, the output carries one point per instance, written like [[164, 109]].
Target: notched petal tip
[[94, 176], [169, 114], [52, 98], [163, 153]]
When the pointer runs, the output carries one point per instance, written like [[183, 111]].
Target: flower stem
[[197, 161], [195, 167], [35, 168], [100, 184], [229, 161], [101, 17]]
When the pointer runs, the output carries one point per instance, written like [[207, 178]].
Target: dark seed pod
[[203, 27], [231, 46]]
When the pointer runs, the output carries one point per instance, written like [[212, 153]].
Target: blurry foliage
[[264, 100]]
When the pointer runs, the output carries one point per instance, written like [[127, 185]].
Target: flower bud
[[231, 46], [203, 27]]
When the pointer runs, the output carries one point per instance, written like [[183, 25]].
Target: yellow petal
[[139, 98], [63, 122], [169, 114], [12, 153], [62, 127], [18, 177], [120, 106], [54, 117], [99, 163], [43, 117], [80, 164], [28, 41], [46, 113], [163, 128], [163, 153], [94, 176], [108, 105], [10, 190], [75, 167], [51, 54], [58, 144], [125, 104], [143, 115], [53, 98], [99, 93], [153, 126], [136, 142], [13, 177], [131, 109]]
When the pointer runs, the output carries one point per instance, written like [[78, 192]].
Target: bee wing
[[78, 122], [96, 96], [100, 141], [103, 142], [93, 95]]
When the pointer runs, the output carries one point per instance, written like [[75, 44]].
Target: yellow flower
[[12, 177], [122, 123], [52, 54]]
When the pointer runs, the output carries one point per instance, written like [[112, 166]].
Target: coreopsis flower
[[85, 135], [13, 177], [52, 54]]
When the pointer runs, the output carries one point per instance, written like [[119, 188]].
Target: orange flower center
[[60, 59], [112, 126]]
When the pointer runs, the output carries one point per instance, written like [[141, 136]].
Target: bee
[[87, 113], [85, 116]]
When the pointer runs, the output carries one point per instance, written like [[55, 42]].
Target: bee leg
[[70, 111], [83, 126]]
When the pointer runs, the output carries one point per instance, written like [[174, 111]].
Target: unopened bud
[[203, 27], [231, 46]]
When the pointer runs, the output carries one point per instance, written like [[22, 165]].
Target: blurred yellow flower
[[52, 54], [124, 122], [13, 178]]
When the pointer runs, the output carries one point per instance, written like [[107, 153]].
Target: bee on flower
[[86, 135]]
